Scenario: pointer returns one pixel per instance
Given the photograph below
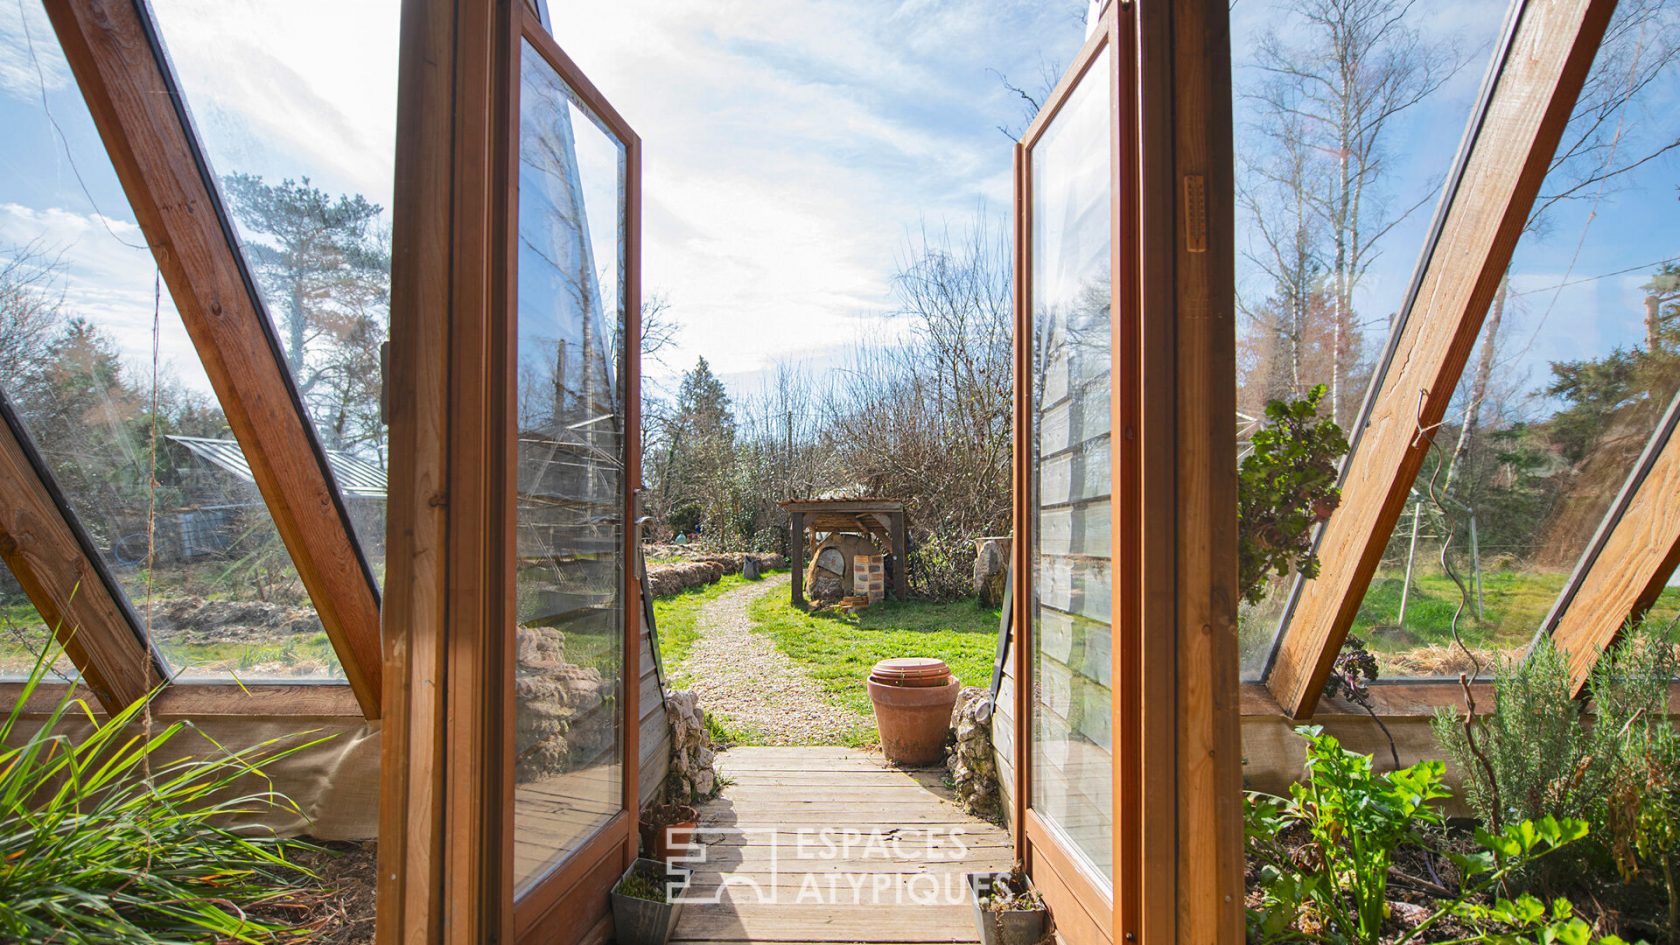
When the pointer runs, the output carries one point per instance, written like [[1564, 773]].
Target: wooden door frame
[[1176, 742], [446, 821]]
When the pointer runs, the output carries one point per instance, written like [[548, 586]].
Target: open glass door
[[570, 760], [512, 625], [1070, 304], [1127, 800]]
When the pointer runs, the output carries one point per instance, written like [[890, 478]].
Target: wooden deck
[[832, 845]]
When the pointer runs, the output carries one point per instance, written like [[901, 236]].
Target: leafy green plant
[[1335, 887], [104, 838], [1285, 487]]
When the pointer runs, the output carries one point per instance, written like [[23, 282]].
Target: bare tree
[[31, 311], [1336, 81]]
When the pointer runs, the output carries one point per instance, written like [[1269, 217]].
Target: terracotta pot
[[913, 700], [668, 830]]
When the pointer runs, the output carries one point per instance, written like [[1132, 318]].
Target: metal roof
[[355, 477]]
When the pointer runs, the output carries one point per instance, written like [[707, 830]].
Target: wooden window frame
[[138, 107], [1630, 558], [1177, 777], [1532, 87], [446, 809]]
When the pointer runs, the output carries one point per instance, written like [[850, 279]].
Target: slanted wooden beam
[[137, 107], [1630, 559], [1538, 75], [60, 573]]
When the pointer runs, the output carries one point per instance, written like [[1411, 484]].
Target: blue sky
[[791, 148]]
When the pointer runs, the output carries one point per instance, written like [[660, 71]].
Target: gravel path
[[742, 677]]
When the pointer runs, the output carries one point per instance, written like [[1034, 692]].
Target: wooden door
[[1127, 799], [512, 624]]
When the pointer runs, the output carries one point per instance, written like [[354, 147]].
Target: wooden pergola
[[881, 519]]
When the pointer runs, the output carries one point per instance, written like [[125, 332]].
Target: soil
[[336, 908]]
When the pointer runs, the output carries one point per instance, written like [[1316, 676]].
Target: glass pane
[[100, 370], [1578, 359], [1334, 204], [1665, 613], [24, 635], [569, 738], [296, 105], [1072, 186]]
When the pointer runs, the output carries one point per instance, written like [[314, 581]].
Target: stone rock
[[991, 569], [693, 774], [971, 761]]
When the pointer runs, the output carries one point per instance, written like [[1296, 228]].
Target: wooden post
[[901, 557], [796, 555]]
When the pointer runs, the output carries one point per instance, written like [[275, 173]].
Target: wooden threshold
[[813, 845]]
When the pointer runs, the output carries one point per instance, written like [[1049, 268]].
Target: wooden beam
[[796, 555], [137, 107], [1537, 78], [1629, 561], [429, 215], [59, 570], [901, 557], [1190, 194]]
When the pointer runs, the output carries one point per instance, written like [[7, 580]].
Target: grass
[[838, 650], [678, 620], [1514, 605]]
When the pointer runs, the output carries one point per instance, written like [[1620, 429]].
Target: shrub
[[104, 842], [1540, 753], [1531, 755]]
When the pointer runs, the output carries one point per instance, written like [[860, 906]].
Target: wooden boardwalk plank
[[812, 845]]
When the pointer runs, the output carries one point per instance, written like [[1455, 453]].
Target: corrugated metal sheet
[[356, 477]]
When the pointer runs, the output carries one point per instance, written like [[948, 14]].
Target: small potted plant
[[668, 830], [1007, 909], [645, 911]]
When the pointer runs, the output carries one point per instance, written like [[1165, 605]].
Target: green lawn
[[838, 650], [678, 616], [1514, 603]]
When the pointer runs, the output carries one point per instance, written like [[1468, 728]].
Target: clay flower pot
[[667, 830], [913, 699]]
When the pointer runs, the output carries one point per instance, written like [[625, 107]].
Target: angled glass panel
[[1072, 548], [295, 105], [1346, 129], [1665, 613], [100, 369], [1578, 359], [24, 635], [569, 738]]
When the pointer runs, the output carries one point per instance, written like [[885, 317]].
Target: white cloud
[[790, 147], [301, 88], [110, 283], [29, 54]]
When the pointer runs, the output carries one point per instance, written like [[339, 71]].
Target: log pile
[[972, 764], [678, 576]]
